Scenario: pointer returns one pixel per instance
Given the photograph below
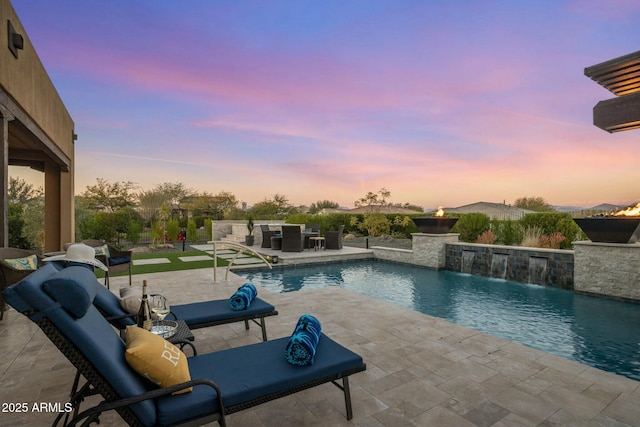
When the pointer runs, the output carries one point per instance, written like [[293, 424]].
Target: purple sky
[[441, 102]]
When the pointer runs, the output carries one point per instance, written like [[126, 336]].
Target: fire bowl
[[434, 224], [610, 229]]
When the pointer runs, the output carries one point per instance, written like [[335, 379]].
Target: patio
[[420, 370]]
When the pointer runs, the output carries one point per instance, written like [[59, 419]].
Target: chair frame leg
[[347, 395], [260, 323]]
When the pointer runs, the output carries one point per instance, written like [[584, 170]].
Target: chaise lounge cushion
[[199, 313], [258, 370], [155, 358]]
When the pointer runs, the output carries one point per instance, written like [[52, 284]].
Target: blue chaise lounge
[[196, 315], [224, 382]]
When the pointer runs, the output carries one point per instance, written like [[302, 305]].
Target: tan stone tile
[[441, 417], [518, 369], [466, 390], [611, 381], [416, 392], [486, 414], [468, 368], [564, 379], [514, 420], [534, 385], [575, 403], [525, 405]]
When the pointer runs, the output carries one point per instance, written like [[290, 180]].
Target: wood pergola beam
[[621, 76], [618, 114]]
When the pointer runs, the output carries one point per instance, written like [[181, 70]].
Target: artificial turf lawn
[[174, 265]]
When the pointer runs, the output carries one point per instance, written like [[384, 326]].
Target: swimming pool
[[598, 332]]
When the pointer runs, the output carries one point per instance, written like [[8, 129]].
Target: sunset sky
[[441, 102]]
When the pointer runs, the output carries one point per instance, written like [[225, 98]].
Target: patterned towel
[[301, 347], [241, 299]]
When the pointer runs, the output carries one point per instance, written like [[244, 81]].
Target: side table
[[182, 337], [318, 243]]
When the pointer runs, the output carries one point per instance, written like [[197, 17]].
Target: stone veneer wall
[[559, 269], [428, 250], [608, 269]]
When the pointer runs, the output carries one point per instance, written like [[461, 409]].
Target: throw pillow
[[156, 359], [26, 263], [130, 299], [102, 250]]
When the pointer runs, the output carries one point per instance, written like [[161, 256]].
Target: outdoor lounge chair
[[118, 261], [223, 382], [196, 315], [292, 238], [266, 236], [333, 239]]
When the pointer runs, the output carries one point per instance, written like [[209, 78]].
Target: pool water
[[598, 332]]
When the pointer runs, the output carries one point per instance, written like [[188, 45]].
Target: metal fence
[[146, 239]]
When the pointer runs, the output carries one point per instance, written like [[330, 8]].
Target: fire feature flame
[[630, 211], [441, 211]]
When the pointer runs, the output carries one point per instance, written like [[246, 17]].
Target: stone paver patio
[[421, 370]]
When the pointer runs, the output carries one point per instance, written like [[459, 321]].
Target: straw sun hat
[[79, 252]]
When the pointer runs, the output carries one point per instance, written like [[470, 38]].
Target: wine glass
[[160, 306]]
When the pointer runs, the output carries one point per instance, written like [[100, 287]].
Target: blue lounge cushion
[[74, 288], [258, 369], [119, 260], [199, 313], [109, 304], [302, 345], [243, 297]]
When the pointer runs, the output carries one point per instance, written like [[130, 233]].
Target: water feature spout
[[499, 266], [466, 265], [538, 270]]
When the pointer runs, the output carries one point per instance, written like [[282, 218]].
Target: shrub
[[551, 241], [551, 222], [173, 229], [335, 220], [402, 226], [508, 232], [487, 238], [192, 231], [471, 225], [135, 229], [157, 233], [531, 237], [376, 224]]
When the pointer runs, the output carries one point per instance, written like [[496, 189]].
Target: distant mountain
[[607, 207], [569, 208]]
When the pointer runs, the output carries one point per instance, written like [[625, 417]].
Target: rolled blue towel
[[241, 299], [301, 347]]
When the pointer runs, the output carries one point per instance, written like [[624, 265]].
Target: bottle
[[144, 313]]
